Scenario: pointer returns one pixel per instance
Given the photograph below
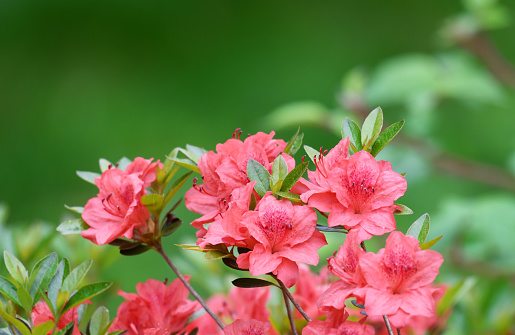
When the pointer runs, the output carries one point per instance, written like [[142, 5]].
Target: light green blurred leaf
[[298, 113], [420, 228], [257, 172], [88, 176], [371, 128], [85, 293], [351, 129], [99, 321], [43, 328], [15, 268], [74, 226]]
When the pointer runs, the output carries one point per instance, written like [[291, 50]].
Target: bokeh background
[[91, 79]]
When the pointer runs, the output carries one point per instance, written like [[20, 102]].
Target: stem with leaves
[[160, 250]]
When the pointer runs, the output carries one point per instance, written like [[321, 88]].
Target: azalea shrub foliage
[[258, 215]]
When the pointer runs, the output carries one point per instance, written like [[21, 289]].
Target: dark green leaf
[[88, 176], [386, 136], [85, 293], [420, 228], [56, 283], [216, 254], [351, 129], [331, 229], [72, 281], [297, 144], [290, 196], [312, 153], [290, 143], [429, 244], [75, 226], [99, 321], [176, 186], [232, 264], [139, 249], [279, 170], [171, 224], [405, 210], [257, 172], [251, 282], [294, 176], [15, 268], [124, 244], [44, 270], [371, 128], [8, 289]]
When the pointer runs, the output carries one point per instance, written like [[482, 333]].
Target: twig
[[399, 331], [287, 293], [387, 323], [363, 246], [160, 250], [290, 315]]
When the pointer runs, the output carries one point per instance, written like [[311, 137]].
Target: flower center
[[399, 266], [360, 187], [275, 224]]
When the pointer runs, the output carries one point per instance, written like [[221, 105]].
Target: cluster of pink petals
[[41, 314], [336, 324], [397, 281], [358, 192], [251, 327], [282, 235], [308, 290], [225, 171], [244, 304], [117, 209], [156, 309]]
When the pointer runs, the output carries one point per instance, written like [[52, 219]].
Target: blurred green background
[[91, 79]]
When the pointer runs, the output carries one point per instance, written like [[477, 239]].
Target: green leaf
[[193, 247], [405, 210], [15, 268], [81, 313], [290, 143], [138, 249], [294, 176], [51, 306], [420, 228], [25, 299], [123, 163], [8, 289], [290, 196], [154, 203], [171, 224], [351, 129], [88, 176], [99, 321], [331, 229], [74, 226], [454, 294], [185, 162], [279, 170], [72, 281], [312, 153], [196, 151], [251, 282], [75, 209], [104, 164], [176, 186], [56, 283], [216, 254], [85, 293], [277, 187], [297, 144], [230, 262], [67, 330], [386, 137], [13, 321], [429, 244], [371, 128], [43, 328], [257, 172]]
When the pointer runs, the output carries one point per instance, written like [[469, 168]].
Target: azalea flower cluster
[[260, 215]]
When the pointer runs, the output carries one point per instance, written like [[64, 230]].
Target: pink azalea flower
[[251, 327], [399, 279], [117, 210], [242, 303], [366, 190], [156, 309], [226, 170], [345, 266], [41, 314], [336, 324], [308, 289], [284, 234]]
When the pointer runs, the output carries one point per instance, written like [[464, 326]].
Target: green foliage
[[420, 228], [257, 172], [251, 282]]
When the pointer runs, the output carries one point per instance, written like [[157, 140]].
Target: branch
[[287, 293], [387, 323], [290, 315]]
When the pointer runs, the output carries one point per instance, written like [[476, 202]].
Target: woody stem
[[387, 323], [287, 293], [160, 250], [290, 315]]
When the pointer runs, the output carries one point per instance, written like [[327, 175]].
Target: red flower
[[156, 309], [117, 209], [41, 314], [308, 289], [251, 327], [283, 234], [399, 279], [336, 324]]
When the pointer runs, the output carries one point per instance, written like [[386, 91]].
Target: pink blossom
[[284, 234], [336, 324], [345, 266], [308, 289], [156, 309], [251, 327], [41, 314], [399, 279], [117, 210], [226, 170]]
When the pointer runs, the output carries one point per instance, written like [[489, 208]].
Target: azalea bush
[[261, 218]]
